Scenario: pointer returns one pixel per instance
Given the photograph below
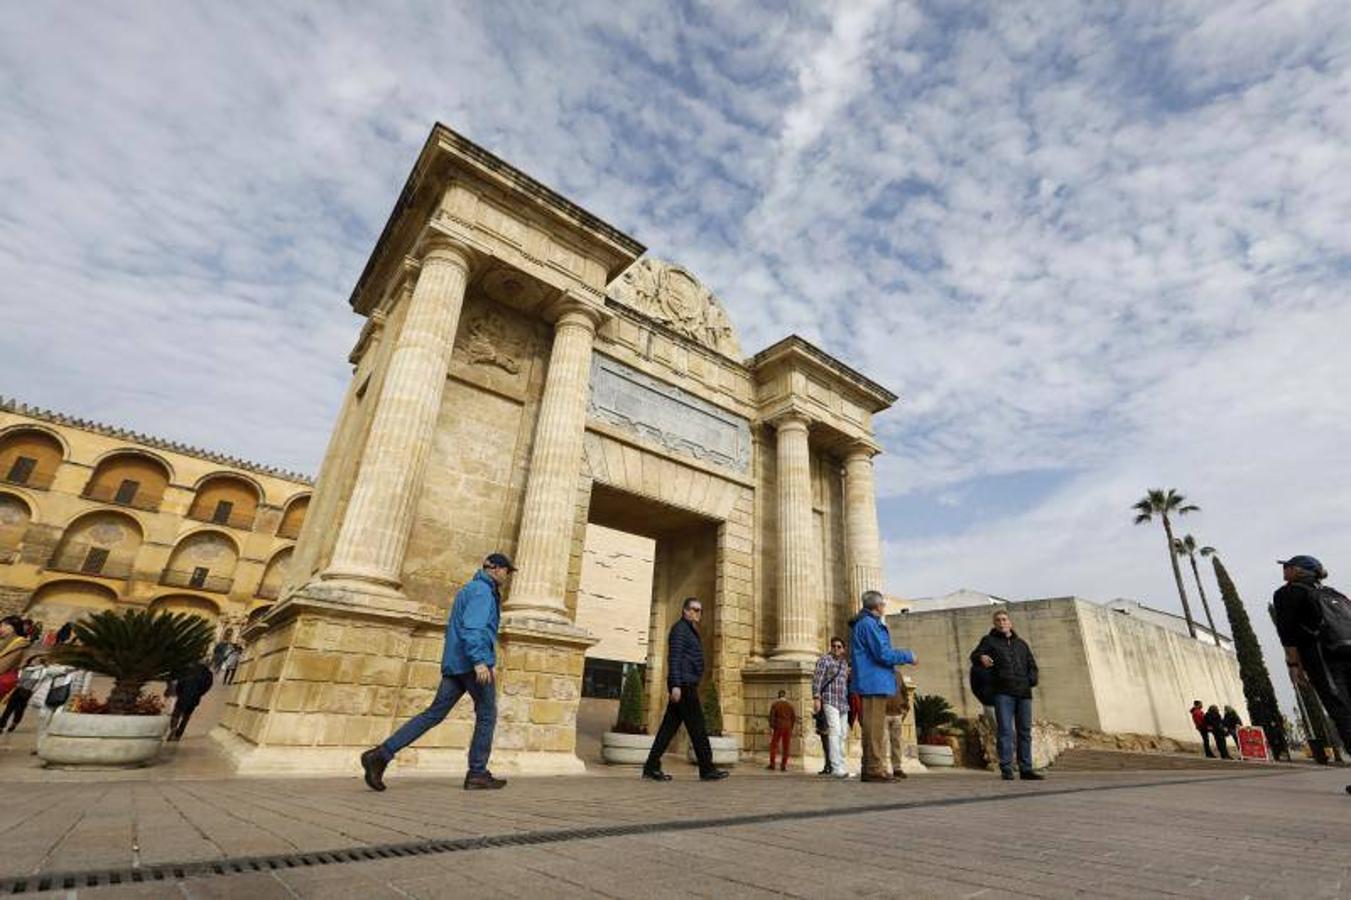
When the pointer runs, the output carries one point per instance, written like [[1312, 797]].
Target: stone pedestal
[[540, 684], [761, 683]]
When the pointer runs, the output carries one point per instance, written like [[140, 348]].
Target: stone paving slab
[[1120, 834]]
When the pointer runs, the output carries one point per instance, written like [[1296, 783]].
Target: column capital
[[861, 451], [444, 248], [791, 420], [575, 308]]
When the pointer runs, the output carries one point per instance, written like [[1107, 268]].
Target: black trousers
[[15, 707], [178, 721], [1205, 740], [687, 712], [1331, 680], [1220, 744]]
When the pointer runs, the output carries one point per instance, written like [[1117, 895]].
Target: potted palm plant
[[933, 715], [726, 751], [628, 743], [134, 648]]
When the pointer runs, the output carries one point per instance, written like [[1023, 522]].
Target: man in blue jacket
[[684, 670], [466, 668], [873, 678]]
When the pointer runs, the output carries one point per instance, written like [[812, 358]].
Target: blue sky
[[1096, 247]]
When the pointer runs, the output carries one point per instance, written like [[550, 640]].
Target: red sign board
[[1252, 743]]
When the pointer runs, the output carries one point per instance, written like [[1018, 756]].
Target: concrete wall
[[1099, 668]]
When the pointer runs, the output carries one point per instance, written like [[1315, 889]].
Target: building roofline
[[793, 342], [12, 405], [1171, 615]]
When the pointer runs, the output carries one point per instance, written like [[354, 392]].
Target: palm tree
[[1186, 546], [1161, 503]]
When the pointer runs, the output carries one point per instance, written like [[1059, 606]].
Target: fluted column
[[375, 526], [862, 541], [551, 494], [798, 573]]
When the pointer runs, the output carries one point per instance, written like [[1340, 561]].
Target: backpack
[[982, 683], [1334, 612]]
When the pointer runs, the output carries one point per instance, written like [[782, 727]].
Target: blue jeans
[[1010, 711], [452, 688]]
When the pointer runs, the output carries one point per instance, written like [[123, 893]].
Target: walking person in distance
[[189, 689], [782, 718], [684, 670], [467, 664], [874, 663], [1015, 675]]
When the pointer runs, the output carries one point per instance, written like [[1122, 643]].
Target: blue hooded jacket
[[873, 673], [471, 629]]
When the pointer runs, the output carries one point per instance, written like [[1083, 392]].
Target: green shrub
[[932, 713], [713, 711], [134, 647], [632, 715]]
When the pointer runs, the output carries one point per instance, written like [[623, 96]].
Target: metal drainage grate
[[172, 872]]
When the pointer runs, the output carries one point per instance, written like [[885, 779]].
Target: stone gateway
[[523, 372]]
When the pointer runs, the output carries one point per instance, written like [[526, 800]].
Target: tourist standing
[[467, 663], [874, 680], [1232, 723], [189, 689], [1215, 725], [1015, 675], [1314, 624], [830, 689], [897, 708], [684, 671], [230, 664], [782, 718], [1198, 714]]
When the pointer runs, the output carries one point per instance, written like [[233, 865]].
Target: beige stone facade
[[1099, 668], [94, 517], [522, 374]]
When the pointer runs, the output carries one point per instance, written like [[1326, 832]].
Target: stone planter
[[936, 755], [620, 749], [726, 751], [84, 739]]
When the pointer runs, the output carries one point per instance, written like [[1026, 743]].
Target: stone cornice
[[56, 418], [796, 349]]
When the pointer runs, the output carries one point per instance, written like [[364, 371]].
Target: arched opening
[[103, 543], [275, 575], [225, 500], [30, 457], [14, 518], [58, 602], [128, 478], [294, 517], [203, 561], [187, 603]]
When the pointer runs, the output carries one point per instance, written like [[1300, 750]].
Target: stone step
[[1083, 759]]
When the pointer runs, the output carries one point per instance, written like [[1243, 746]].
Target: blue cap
[[499, 560], [1307, 563]]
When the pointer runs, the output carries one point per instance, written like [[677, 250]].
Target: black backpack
[[982, 683], [1334, 611]]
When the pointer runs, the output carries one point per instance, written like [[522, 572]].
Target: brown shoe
[[870, 777], [373, 764], [483, 781], [899, 773]]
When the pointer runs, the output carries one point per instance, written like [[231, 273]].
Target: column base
[[761, 683]]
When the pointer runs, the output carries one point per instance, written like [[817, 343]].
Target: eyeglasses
[[696, 609]]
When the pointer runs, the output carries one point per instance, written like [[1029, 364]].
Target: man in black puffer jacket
[[1015, 675], [684, 669]]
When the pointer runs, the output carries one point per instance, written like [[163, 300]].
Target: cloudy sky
[[1094, 249]]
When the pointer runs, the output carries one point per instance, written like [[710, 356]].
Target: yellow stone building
[[94, 517]]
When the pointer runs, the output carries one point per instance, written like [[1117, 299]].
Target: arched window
[[129, 479], [14, 518], [203, 561], [103, 544], [294, 517], [58, 602], [274, 576], [225, 500], [30, 457], [187, 603]]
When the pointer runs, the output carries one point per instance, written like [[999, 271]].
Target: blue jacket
[[873, 673], [684, 655], [471, 629]]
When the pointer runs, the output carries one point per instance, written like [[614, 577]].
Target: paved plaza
[[1249, 833]]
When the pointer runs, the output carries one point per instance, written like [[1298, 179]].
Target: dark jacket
[[1232, 721], [193, 684], [684, 655], [1215, 721], [1015, 668]]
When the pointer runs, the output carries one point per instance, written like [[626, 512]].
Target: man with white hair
[[873, 678]]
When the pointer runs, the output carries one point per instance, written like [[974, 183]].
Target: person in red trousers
[[782, 718]]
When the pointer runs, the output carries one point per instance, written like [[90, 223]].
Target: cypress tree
[[631, 705], [1252, 668]]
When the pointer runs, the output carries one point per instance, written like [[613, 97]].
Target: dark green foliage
[[631, 712], [932, 712], [713, 710], [134, 647], [1252, 668]]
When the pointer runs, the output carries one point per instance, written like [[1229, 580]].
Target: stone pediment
[[672, 296]]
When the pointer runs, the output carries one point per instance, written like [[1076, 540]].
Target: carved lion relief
[[671, 295]]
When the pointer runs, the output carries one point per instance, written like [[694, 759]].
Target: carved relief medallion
[[674, 297]]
